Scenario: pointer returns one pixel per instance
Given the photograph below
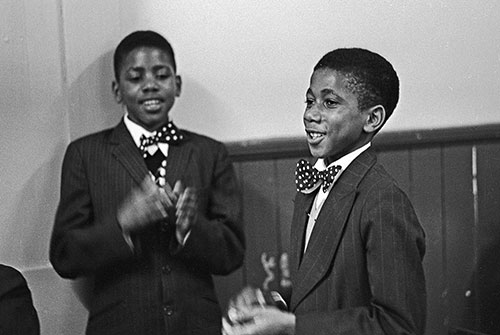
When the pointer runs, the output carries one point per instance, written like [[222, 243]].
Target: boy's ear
[[375, 118], [178, 86], [115, 87]]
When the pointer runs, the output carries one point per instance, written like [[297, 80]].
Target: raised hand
[[186, 210], [144, 206]]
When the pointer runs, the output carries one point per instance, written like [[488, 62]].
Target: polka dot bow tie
[[307, 177], [168, 134]]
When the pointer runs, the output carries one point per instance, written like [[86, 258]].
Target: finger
[[178, 188], [248, 297], [231, 329], [161, 209], [170, 193], [191, 197], [180, 210], [187, 203], [226, 327], [164, 198]]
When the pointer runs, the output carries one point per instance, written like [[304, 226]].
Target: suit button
[[166, 269], [168, 310]]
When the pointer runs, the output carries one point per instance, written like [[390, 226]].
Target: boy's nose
[[149, 85], [312, 115]]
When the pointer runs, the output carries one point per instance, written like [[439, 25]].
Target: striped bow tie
[[168, 134], [307, 177]]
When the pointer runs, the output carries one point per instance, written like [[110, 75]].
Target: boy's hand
[[145, 205], [260, 320], [186, 210]]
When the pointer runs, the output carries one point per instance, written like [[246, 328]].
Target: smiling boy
[[148, 211], [356, 243]]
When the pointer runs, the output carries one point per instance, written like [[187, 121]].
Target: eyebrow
[[326, 91], [155, 68], [323, 92]]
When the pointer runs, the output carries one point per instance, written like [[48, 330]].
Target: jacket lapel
[[303, 203], [328, 229], [127, 153], [179, 158]]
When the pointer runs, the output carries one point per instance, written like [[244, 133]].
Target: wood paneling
[[487, 240], [426, 188], [260, 212], [458, 232]]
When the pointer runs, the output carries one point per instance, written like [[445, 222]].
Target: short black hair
[[138, 39], [369, 76]]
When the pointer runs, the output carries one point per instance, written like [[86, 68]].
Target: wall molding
[[292, 147]]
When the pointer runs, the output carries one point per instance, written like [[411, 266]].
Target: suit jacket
[[159, 287], [17, 313], [362, 272]]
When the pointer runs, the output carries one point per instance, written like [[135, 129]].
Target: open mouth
[[152, 104], [314, 136]]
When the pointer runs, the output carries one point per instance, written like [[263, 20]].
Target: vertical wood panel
[[227, 286], [397, 163], [426, 197], [487, 269], [458, 213], [285, 197], [259, 187]]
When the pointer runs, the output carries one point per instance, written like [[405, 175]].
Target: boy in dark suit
[[149, 211], [356, 243], [18, 316]]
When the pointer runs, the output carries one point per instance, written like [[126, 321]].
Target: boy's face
[[332, 120], [147, 86]]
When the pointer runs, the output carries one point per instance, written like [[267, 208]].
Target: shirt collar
[[136, 131], [343, 161]]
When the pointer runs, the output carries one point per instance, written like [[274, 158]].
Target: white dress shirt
[[321, 196]]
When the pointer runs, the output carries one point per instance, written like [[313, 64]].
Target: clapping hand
[[144, 206], [186, 210], [254, 312]]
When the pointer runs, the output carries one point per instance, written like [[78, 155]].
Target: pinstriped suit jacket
[[362, 272], [159, 288]]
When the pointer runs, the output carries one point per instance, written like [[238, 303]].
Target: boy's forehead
[[328, 77], [146, 53]]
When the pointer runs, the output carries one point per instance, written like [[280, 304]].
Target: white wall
[[245, 65]]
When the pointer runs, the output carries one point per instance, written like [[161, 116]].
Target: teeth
[[315, 135], [151, 102]]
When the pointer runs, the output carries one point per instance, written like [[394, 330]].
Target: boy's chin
[[156, 123], [317, 153]]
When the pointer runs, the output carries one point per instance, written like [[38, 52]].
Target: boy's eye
[[309, 102], [163, 73], [331, 103], [162, 76], [134, 77]]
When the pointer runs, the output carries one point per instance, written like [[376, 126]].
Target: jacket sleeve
[[17, 313], [81, 243], [217, 239]]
